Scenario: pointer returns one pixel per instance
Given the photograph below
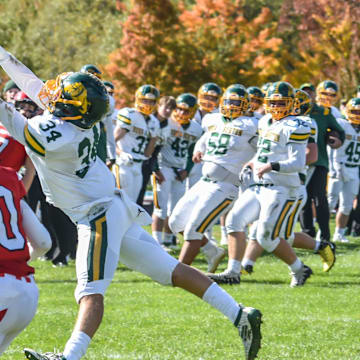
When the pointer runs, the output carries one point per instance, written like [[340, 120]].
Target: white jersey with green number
[[139, 131], [179, 139], [283, 142], [347, 156], [229, 144], [72, 177]]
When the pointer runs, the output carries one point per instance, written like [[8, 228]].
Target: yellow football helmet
[[146, 98], [353, 111]]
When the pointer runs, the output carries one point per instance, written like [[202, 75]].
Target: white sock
[[209, 248], [223, 231], [168, 238], [234, 265], [222, 301], [246, 262], [317, 245], [76, 346], [157, 235], [296, 266], [340, 231]]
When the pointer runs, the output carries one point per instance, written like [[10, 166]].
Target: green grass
[[143, 320]]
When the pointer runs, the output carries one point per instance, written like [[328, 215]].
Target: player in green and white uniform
[[344, 169], [136, 134], [225, 147]]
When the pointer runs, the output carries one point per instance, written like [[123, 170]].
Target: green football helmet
[[234, 102], [185, 108], [265, 87], [92, 69], [256, 97], [109, 87], [146, 98], [80, 98], [209, 96], [353, 111], [279, 100], [326, 93], [302, 103]]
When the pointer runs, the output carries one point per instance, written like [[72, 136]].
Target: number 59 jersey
[[284, 142], [178, 141], [14, 251], [65, 158], [229, 144]]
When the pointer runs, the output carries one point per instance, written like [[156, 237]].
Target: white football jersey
[[229, 144], [65, 159], [180, 138], [275, 140], [348, 154], [198, 117], [139, 131]]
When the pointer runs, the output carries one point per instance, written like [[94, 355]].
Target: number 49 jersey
[[14, 252], [65, 158], [229, 144], [283, 141], [139, 131], [178, 140]]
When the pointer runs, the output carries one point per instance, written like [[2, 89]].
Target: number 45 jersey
[[229, 144], [65, 156]]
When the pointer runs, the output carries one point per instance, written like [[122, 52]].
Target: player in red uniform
[[19, 293]]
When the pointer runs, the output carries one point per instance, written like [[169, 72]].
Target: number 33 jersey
[[65, 158], [229, 144]]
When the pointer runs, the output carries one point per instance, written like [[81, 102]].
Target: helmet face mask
[[209, 96], [77, 97], [302, 103], [256, 97], [326, 93], [185, 108], [146, 98], [353, 111], [234, 102], [279, 100]]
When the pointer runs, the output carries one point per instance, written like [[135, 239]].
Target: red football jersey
[[12, 153], [14, 251]]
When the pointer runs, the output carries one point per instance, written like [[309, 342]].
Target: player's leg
[[334, 188], [18, 304], [244, 211], [347, 195], [163, 268]]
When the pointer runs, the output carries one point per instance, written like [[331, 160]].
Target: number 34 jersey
[[229, 144], [71, 175], [177, 143]]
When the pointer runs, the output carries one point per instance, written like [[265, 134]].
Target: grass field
[[143, 320]]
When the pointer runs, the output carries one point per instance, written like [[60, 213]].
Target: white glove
[[126, 158], [246, 177], [4, 55]]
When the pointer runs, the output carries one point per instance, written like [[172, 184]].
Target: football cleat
[[248, 323], [33, 355], [340, 238], [215, 258], [226, 277], [299, 278], [327, 254], [247, 270]]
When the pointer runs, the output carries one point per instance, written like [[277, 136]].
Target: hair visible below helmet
[[352, 111], [279, 100], [302, 103], [256, 97], [209, 96], [326, 93], [92, 69], [77, 97], [235, 101], [185, 108], [146, 98]]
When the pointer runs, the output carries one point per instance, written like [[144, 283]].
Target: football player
[[136, 135], [9, 92], [344, 169], [175, 163], [256, 97], [326, 95], [325, 249], [19, 293], [225, 147], [280, 157], [62, 144]]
